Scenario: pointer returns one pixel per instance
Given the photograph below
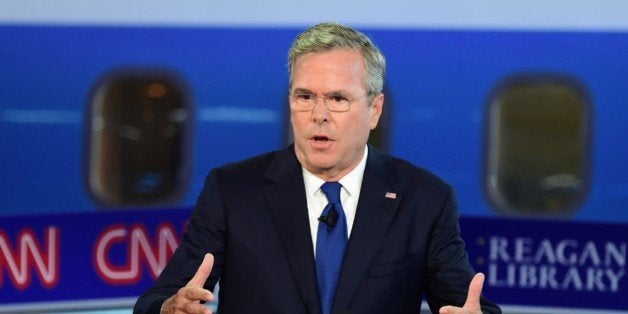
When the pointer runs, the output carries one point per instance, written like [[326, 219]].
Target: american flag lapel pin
[[391, 195]]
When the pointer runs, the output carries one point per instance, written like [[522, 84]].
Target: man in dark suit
[[281, 242]]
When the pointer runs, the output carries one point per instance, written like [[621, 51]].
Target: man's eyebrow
[[337, 93], [302, 91], [340, 92]]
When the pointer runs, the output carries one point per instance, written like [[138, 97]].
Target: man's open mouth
[[321, 138]]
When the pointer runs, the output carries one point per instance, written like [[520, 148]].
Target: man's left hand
[[472, 305]]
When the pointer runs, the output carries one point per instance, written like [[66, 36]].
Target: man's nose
[[320, 113]]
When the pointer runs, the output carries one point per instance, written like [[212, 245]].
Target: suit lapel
[[374, 214], [287, 205]]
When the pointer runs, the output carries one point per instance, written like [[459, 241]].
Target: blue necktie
[[331, 242]]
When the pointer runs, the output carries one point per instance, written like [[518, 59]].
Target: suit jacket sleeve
[[205, 234], [449, 272]]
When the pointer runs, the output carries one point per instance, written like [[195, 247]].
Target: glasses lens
[[303, 101], [306, 102]]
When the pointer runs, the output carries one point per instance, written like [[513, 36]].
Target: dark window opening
[[137, 134], [538, 145], [380, 136]]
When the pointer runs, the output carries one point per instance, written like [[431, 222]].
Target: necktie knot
[[332, 191]]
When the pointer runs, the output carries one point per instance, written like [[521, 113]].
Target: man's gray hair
[[325, 37]]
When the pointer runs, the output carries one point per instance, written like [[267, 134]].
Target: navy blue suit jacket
[[253, 217]]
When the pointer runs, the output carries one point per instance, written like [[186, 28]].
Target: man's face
[[330, 144]]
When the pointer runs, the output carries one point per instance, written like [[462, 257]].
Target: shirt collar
[[352, 182]]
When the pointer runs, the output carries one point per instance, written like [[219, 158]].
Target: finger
[[197, 308], [168, 306], [475, 291], [195, 294], [203, 272], [447, 310]]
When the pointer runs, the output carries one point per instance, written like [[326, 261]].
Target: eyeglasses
[[336, 102]]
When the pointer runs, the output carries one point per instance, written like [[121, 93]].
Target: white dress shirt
[[349, 195]]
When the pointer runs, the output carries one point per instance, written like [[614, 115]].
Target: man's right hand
[[188, 299]]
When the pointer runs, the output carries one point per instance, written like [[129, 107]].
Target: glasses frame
[[326, 98]]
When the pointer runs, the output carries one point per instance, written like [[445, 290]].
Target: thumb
[[203, 272], [475, 291]]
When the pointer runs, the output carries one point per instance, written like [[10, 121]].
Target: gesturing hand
[[472, 305], [188, 299]]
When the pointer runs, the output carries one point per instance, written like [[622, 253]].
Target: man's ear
[[377, 105]]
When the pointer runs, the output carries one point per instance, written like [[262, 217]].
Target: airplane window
[[379, 137], [137, 134], [538, 145]]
